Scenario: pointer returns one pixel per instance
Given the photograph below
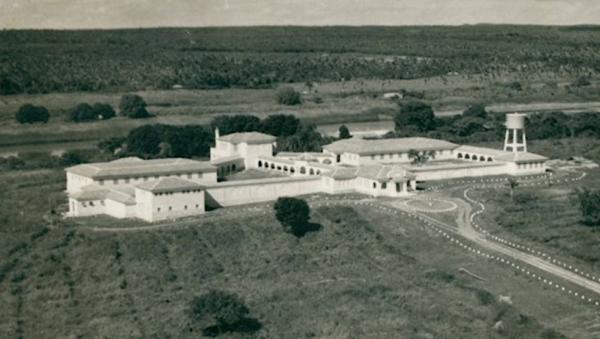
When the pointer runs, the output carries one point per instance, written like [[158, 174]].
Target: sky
[[75, 14]]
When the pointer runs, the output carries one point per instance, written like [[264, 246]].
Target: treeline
[[416, 118], [125, 60], [151, 141], [131, 106]]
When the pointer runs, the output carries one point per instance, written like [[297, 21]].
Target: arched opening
[[489, 159], [374, 185], [467, 156], [482, 158], [460, 156], [302, 170], [259, 163], [311, 172], [338, 158], [285, 168], [233, 167], [474, 158], [266, 165], [272, 166], [318, 172], [279, 168], [292, 170]]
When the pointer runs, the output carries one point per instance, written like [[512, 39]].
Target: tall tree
[[344, 132], [133, 106], [416, 114]]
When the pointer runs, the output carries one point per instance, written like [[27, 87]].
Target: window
[[374, 185], [302, 170], [384, 185], [259, 163], [312, 172], [91, 203], [170, 208], [460, 155], [197, 206], [83, 204], [490, 159], [158, 209], [185, 207]]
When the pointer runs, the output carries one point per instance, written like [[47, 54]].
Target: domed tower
[[515, 139]]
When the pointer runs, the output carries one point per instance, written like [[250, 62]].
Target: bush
[[475, 111], [28, 114], [293, 214], [344, 132], [226, 309], [589, 205], [82, 112], [288, 96], [581, 81], [103, 111], [133, 106]]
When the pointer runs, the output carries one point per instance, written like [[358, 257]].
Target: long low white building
[[161, 189]]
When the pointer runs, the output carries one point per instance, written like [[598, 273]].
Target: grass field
[[365, 274]]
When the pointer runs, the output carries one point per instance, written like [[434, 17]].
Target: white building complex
[[161, 189]]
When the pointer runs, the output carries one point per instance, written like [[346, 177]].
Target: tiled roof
[[385, 146], [224, 160], [168, 185], [373, 172], [129, 168], [502, 155], [248, 137]]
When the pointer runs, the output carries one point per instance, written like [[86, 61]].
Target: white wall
[[253, 191], [86, 208], [154, 207], [75, 182]]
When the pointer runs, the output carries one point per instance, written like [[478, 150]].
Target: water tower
[[515, 139]]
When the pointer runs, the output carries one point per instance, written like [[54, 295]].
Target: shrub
[[293, 214], [103, 111], [476, 111], [226, 309], [280, 125], [589, 205], [581, 81], [344, 132], [28, 114], [288, 96], [133, 106], [82, 112]]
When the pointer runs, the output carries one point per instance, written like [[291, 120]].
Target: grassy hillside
[[365, 274]]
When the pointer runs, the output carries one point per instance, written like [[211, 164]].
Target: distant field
[[364, 274]]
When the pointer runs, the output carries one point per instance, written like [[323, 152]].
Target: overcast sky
[[151, 13]]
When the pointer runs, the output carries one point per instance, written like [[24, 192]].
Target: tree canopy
[[344, 132], [133, 106], [589, 205], [28, 114], [280, 125], [294, 215], [289, 96], [415, 114]]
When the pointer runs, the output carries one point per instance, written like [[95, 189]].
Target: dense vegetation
[[415, 118], [29, 114], [124, 60]]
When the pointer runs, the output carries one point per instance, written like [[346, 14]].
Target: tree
[[467, 125], [280, 125], [344, 132], [8, 86], [144, 141], [306, 139], [82, 112], [512, 185], [288, 96], [420, 157], [133, 106], [28, 114], [228, 124], [475, 111], [416, 114], [103, 111], [70, 158], [293, 214], [225, 308], [589, 205]]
